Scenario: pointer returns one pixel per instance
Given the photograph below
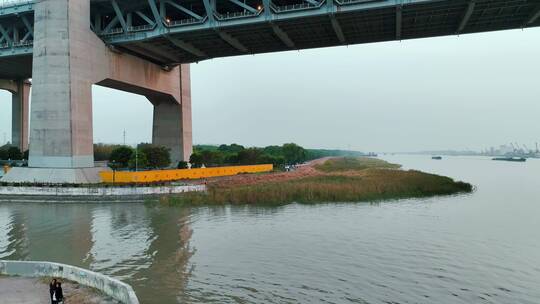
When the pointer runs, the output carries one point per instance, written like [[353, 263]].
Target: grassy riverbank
[[354, 164], [335, 180]]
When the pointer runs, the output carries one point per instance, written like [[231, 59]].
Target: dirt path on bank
[[302, 171]]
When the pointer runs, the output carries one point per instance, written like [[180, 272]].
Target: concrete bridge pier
[[172, 120], [20, 90], [68, 59]]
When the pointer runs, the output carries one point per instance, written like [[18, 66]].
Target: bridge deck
[[173, 31], [315, 29]]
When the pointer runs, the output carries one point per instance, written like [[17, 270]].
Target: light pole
[[113, 172], [136, 159]]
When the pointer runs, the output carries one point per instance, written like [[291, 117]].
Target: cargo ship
[[511, 159]]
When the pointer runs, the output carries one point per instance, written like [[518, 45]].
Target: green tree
[[233, 148], [250, 156], [182, 165], [200, 148], [120, 156], [157, 156], [4, 155], [274, 151], [138, 160], [212, 158], [14, 153], [294, 154], [231, 159], [277, 161], [196, 160], [103, 152]]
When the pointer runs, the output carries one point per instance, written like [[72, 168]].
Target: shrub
[[196, 160], [182, 165], [138, 160], [103, 152], [12, 152], [4, 153], [294, 154], [158, 156], [120, 156]]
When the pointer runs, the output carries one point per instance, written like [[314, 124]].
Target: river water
[[478, 248]]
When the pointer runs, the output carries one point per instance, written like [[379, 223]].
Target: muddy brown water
[[478, 248]]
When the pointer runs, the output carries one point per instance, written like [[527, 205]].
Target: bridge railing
[[186, 22], [23, 44], [114, 31], [296, 7], [141, 28], [16, 44], [237, 15]]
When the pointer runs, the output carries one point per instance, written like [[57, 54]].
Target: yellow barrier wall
[[127, 177]]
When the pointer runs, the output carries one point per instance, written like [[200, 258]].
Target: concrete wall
[[114, 288], [99, 191], [68, 59], [53, 175]]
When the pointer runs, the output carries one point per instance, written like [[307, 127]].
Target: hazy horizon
[[467, 92]]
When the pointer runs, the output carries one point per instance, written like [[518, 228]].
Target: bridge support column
[[172, 121], [68, 62], [68, 59], [61, 135], [20, 90], [19, 119]]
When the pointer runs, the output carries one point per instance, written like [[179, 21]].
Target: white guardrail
[[99, 191], [112, 287]]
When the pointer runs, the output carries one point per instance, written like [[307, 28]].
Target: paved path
[[35, 291], [24, 291]]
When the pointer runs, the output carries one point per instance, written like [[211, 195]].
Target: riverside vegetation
[[332, 180], [148, 156]]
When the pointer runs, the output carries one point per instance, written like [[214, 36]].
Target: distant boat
[[437, 157], [511, 159]]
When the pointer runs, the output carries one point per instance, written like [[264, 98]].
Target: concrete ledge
[[85, 161], [53, 175], [114, 288], [102, 194]]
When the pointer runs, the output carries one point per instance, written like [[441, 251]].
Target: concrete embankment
[[97, 194], [116, 289], [36, 291]]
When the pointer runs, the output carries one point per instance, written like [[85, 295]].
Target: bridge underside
[[316, 27], [16, 67], [171, 32]]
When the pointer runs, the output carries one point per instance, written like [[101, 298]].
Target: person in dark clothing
[[52, 286], [58, 294]]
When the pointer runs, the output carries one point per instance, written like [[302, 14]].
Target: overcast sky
[[471, 91]]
